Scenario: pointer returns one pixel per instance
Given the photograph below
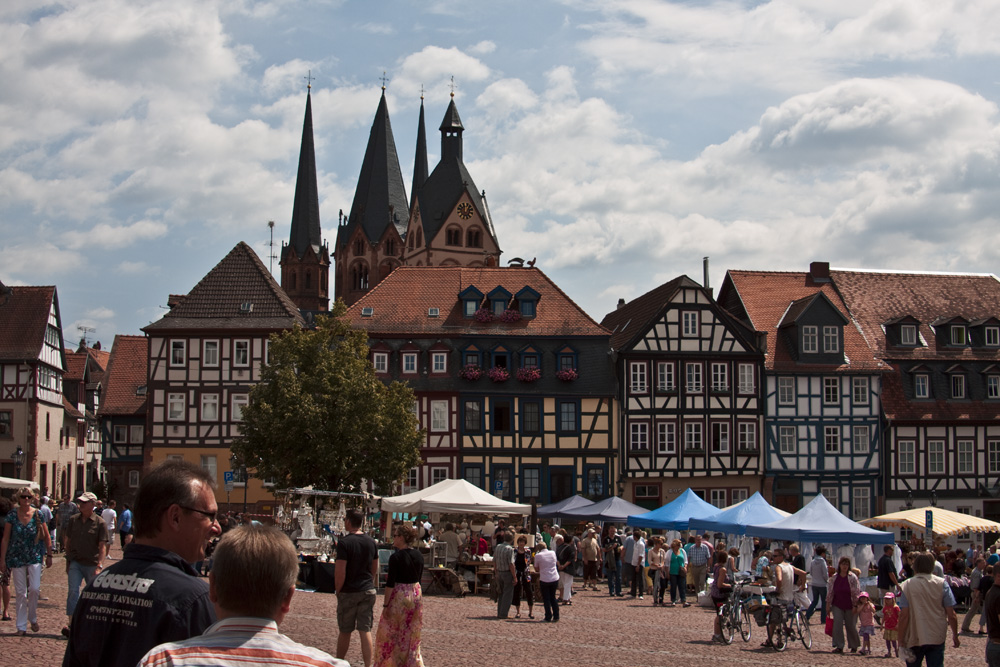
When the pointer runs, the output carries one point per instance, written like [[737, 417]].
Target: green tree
[[321, 417]]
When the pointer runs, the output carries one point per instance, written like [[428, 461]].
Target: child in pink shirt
[[890, 619], [866, 621]]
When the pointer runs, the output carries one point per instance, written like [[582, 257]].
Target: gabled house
[[823, 387], [204, 355], [32, 405], [83, 391], [513, 380], [689, 397], [123, 415], [941, 334]]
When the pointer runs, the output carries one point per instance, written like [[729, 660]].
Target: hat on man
[[87, 497]]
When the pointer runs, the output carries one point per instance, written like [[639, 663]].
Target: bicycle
[[785, 627], [734, 615]]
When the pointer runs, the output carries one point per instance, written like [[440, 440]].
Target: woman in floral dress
[[397, 642], [25, 542]]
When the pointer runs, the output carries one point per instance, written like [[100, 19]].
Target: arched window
[[309, 280], [359, 277], [474, 239], [359, 247], [420, 237], [453, 236], [390, 247]]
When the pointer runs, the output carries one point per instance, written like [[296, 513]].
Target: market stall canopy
[[819, 521], [733, 520], [946, 522], [452, 495], [14, 483], [676, 514], [556, 510], [609, 509]]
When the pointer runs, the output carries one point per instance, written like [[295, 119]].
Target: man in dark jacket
[[153, 595]]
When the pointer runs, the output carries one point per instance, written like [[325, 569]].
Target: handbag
[[829, 626]]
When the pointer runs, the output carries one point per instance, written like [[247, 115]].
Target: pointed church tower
[[420, 157], [450, 221], [305, 259], [370, 239]]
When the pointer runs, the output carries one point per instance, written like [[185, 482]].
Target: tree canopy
[[320, 416]]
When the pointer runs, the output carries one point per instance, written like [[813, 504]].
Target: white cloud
[[288, 77], [433, 67], [109, 236], [36, 263], [483, 48], [100, 313]]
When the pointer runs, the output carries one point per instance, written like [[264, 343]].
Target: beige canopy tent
[[14, 483], [452, 495], [945, 522]]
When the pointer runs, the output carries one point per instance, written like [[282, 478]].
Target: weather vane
[[453, 86], [309, 80], [384, 80]]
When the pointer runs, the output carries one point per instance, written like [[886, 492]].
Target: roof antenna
[[271, 256], [85, 330]]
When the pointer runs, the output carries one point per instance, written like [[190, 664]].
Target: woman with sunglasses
[[25, 541]]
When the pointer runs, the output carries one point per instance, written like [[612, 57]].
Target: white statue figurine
[[306, 522]]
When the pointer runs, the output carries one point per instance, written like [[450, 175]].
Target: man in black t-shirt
[[355, 576], [612, 548], [887, 580]]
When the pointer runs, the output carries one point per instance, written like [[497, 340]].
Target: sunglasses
[[27, 497], [211, 515]]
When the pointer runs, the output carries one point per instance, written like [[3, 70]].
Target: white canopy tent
[[14, 483], [452, 495]]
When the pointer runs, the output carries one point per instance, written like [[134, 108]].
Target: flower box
[[567, 374], [484, 315], [498, 374], [470, 372], [510, 316], [528, 374]]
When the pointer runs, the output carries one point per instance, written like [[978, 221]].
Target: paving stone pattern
[[595, 630]]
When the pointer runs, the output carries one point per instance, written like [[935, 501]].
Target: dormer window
[[499, 299], [958, 386], [527, 300], [957, 334], [471, 299], [810, 339], [908, 334], [831, 340], [921, 386], [993, 386], [992, 336]]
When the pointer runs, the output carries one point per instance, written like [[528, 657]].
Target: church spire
[[305, 211], [420, 158], [451, 132]]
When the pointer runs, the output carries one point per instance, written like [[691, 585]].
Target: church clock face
[[465, 210]]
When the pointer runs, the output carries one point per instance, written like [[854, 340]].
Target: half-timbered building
[[32, 366], [823, 387], [689, 396], [204, 355], [83, 392], [941, 334], [513, 380], [123, 415]]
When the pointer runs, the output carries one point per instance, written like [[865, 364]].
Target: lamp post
[[18, 461]]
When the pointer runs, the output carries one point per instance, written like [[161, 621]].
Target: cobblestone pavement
[[595, 630]]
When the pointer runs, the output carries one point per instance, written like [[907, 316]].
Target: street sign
[[929, 522], [498, 485], [228, 478]]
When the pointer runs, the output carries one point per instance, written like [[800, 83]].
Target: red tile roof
[[401, 301], [634, 318], [876, 297], [126, 372], [767, 295], [216, 301], [24, 314], [71, 409], [76, 365]]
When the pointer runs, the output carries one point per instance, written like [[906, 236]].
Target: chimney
[[820, 272], [621, 304], [704, 269]]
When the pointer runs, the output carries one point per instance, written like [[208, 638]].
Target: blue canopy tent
[[609, 509], [676, 514], [733, 521], [819, 521], [555, 510]]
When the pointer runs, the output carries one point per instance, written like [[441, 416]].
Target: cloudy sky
[[618, 142]]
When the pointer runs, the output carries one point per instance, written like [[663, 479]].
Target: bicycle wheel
[[726, 623], [744, 623], [805, 634], [778, 634]]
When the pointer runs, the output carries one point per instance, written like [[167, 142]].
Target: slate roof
[[24, 315], [635, 317], [420, 169], [876, 297], [127, 371], [897, 407], [380, 185], [216, 301], [305, 228], [764, 297], [401, 301]]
